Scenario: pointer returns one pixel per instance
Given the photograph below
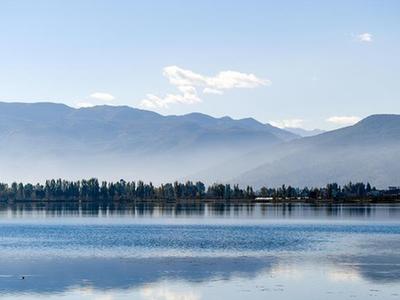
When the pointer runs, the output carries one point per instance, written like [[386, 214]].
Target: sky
[[310, 64]]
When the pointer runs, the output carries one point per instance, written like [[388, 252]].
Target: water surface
[[199, 251]]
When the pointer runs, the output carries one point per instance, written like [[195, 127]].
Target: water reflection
[[47, 276], [374, 268], [199, 260], [200, 209], [57, 275]]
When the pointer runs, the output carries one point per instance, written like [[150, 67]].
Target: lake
[[194, 251]]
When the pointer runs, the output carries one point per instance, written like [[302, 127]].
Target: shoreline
[[206, 201]]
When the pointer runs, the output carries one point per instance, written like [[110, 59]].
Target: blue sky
[[302, 63]]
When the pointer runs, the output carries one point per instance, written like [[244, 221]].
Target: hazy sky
[[301, 63]]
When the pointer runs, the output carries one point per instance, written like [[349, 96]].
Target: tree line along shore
[[93, 190]]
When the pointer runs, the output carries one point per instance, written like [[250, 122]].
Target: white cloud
[[97, 98], [288, 123], [223, 80], [187, 83], [232, 79], [365, 37], [106, 97], [212, 91], [84, 104], [343, 120], [153, 101]]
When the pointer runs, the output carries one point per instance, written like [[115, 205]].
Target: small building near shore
[[264, 198]]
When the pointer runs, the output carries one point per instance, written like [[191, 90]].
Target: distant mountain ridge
[[366, 151], [128, 141], [304, 132]]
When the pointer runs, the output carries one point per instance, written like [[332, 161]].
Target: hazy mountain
[[366, 151], [44, 140], [304, 132]]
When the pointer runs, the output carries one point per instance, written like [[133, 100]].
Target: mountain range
[[42, 140], [303, 132], [48, 140]]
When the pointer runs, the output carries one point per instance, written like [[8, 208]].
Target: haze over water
[[202, 251]]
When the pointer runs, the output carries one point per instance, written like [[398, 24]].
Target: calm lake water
[[193, 251]]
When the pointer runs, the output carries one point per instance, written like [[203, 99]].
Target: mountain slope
[[367, 151], [114, 142]]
